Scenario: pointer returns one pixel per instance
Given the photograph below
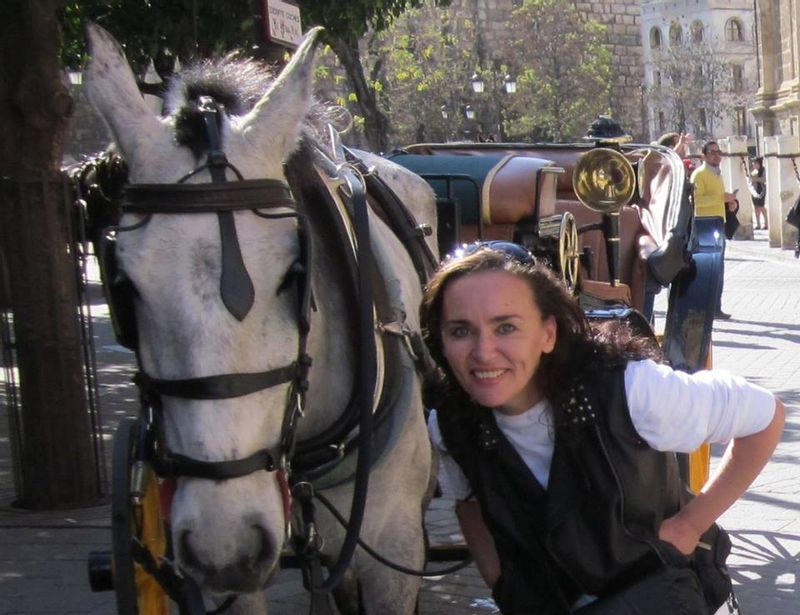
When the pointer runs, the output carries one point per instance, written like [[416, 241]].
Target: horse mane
[[237, 83]]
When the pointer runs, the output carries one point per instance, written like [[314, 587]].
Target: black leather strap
[[223, 386], [205, 198], [180, 465], [235, 286]]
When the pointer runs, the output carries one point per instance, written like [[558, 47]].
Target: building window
[[741, 120], [655, 38], [675, 33], [697, 31], [737, 79], [734, 31], [657, 78], [703, 121], [661, 121]]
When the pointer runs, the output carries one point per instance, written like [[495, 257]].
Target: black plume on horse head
[[235, 84]]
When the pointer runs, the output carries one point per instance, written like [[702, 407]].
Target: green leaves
[[566, 76], [144, 26]]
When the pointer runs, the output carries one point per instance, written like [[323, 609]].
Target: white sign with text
[[282, 22]]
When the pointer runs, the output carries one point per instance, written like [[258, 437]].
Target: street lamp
[[499, 83], [510, 84], [469, 112], [477, 83]]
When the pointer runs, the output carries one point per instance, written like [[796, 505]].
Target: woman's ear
[[550, 334]]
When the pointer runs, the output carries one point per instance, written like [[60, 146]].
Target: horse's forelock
[[236, 83]]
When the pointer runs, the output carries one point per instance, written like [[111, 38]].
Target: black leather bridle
[[263, 198]]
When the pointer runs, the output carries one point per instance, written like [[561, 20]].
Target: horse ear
[[112, 89], [278, 117]]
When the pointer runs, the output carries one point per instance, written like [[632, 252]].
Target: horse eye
[[293, 274]]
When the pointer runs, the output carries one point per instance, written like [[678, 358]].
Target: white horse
[[228, 534]]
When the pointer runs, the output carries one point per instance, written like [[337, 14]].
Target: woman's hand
[[679, 532], [743, 460]]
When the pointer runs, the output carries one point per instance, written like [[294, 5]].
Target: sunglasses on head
[[512, 251]]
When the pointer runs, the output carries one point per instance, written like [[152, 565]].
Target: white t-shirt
[[671, 411]]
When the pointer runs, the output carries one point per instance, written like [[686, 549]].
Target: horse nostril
[[185, 552], [268, 551], [246, 569]]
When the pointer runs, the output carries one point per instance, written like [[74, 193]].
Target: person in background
[[758, 190], [679, 142], [710, 199], [556, 443]]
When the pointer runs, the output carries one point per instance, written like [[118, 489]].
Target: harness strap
[[235, 286], [223, 386], [181, 589], [398, 217], [180, 465], [249, 194]]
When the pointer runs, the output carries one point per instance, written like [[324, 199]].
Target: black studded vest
[[594, 530]]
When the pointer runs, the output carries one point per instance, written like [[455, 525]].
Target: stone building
[[776, 109], [623, 21], [777, 102], [724, 33]]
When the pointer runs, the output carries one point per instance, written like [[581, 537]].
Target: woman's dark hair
[[579, 347]]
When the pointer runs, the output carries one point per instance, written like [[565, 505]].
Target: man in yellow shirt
[[710, 199]]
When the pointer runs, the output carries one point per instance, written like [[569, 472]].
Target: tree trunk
[[55, 453], [376, 124]]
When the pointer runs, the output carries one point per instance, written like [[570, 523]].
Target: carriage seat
[[491, 194]]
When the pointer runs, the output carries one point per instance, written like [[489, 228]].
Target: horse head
[[227, 527]]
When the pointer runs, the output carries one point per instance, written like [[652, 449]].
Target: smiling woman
[[493, 338], [557, 445]]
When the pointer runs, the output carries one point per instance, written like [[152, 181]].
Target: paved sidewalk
[[43, 555]]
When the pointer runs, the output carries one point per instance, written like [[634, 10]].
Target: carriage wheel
[[137, 592], [569, 251]]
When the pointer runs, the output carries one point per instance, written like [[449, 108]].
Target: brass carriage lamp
[[604, 181]]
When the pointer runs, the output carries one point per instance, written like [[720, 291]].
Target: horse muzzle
[[228, 534], [247, 572]]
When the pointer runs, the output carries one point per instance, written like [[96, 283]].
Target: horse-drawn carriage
[[270, 291]]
